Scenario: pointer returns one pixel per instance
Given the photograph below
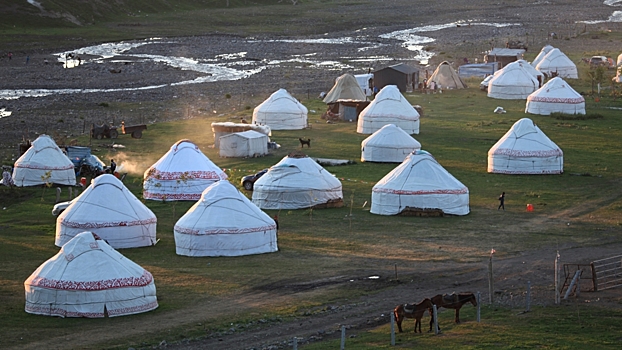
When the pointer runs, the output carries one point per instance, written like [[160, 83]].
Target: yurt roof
[[556, 90], [525, 139], [390, 102], [185, 157], [391, 136], [346, 88], [282, 102]]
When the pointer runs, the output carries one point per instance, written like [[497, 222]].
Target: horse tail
[[396, 312]]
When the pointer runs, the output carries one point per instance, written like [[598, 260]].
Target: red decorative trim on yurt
[[387, 190], [133, 309], [189, 231], [56, 311], [172, 196], [27, 166], [188, 175], [520, 153], [574, 100], [518, 172], [89, 225], [141, 281]]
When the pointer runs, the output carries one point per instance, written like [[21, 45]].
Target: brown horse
[[415, 311], [452, 301]]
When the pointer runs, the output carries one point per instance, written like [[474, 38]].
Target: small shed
[[244, 144], [345, 110], [405, 77], [225, 128], [504, 56]]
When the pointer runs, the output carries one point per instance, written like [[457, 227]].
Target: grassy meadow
[[458, 128]]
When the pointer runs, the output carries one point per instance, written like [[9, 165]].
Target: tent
[[281, 111], [224, 223], [536, 73], [390, 144], [221, 129], [181, 174], [88, 278], [44, 163], [244, 144], [297, 182], [512, 83], [556, 62], [555, 96], [389, 107], [446, 77], [619, 60], [545, 50], [366, 82], [110, 210], [346, 88], [420, 182], [525, 149]]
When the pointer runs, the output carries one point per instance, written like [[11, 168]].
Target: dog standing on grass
[[304, 142]]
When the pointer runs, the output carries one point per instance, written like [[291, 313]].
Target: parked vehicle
[[85, 163], [602, 61], [60, 207], [248, 181], [112, 132]]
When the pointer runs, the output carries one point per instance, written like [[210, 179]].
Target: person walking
[[501, 201], [113, 166]]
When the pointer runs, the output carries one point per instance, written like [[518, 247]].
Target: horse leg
[[418, 323], [399, 324], [457, 315]]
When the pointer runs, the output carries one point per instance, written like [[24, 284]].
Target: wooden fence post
[[479, 303], [557, 298], [343, 337], [528, 301], [392, 329], [295, 343], [594, 280], [490, 279]]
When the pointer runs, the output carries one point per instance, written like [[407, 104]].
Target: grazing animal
[[243, 121], [415, 311], [304, 142], [452, 301]]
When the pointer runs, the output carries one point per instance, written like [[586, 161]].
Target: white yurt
[[446, 77], [389, 107], [619, 60], [536, 73], [390, 144], [545, 50], [297, 182], [557, 62], [281, 111], [109, 209], [420, 182], [525, 149], [512, 83], [346, 88], [244, 144], [88, 278], [44, 163], [183, 173], [555, 96], [224, 223]]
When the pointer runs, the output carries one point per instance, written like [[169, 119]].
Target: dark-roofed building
[[504, 56], [404, 76]]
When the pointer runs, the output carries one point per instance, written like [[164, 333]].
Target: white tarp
[[244, 144], [389, 107], [557, 62], [296, 183], [183, 173], [44, 163], [513, 82], [281, 111], [88, 278], [555, 96], [543, 52], [110, 210], [525, 149], [224, 223], [390, 144], [346, 88], [419, 182]]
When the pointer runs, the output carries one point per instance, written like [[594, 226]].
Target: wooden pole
[[594, 282], [479, 303], [295, 343], [343, 337], [490, 281], [528, 306], [577, 274], [557, 300]]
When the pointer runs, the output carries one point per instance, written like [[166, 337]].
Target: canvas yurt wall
[[420, 182], [281, 111], [346, 88], [525, 149], [224, 223], [43, 163], [109, 209], [88, 278], [513, 82], [390, 144], [244, 144], [558, 63], [183, 173], [296, 182], [389, 107], [555, 96], [447, 77]]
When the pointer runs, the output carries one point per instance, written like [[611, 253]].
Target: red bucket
[[83, 182], [529, 207]]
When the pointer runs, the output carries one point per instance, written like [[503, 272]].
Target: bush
[[566, 116]]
